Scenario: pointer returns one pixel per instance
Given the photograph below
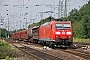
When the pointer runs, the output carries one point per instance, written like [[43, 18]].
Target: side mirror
[[51, 26]]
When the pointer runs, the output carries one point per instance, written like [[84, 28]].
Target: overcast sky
[[17, 10]]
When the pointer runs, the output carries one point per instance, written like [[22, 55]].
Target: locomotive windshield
[[63, 26]]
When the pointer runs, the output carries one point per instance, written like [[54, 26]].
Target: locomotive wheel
[[51, 45]]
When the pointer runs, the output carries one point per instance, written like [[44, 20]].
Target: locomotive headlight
[[57, 32], [68, 32], [69, 37], [57, 37]]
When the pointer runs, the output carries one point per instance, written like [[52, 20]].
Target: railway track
[[82, 54], [37, 54]]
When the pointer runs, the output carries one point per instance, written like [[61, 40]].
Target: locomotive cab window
[[67, 26], [63, 26], [59, 26]]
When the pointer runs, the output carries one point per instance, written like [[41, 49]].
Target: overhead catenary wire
[[44, 3]]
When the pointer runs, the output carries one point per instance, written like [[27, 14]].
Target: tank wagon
[[53, 34]]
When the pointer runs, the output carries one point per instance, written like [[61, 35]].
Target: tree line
[[81, 21]]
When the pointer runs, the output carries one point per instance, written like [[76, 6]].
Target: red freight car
[[13, 36], [18, 35], [24, 35], [56, 33]]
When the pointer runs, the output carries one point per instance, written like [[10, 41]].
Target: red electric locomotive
[[56, 33]]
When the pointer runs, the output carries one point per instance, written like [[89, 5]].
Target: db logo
[[63, 32]]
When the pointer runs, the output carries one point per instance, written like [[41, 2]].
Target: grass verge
[[81, 40], [7, 51]]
